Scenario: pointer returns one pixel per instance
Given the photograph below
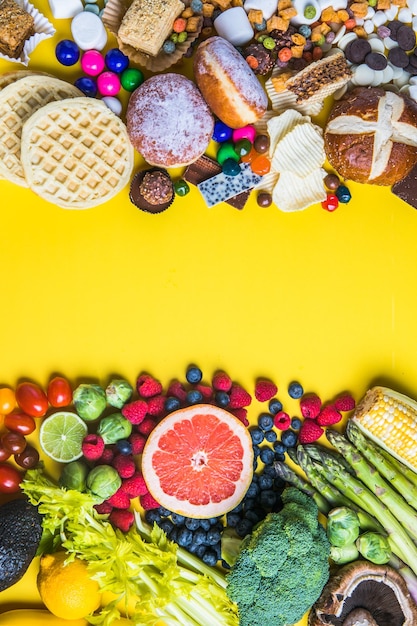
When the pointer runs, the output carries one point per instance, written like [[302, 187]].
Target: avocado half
[[20, 534]]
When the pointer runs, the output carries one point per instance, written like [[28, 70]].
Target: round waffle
[[76, 153], [18, 101]]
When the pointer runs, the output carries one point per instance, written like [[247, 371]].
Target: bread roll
[[228, 84], [371, 136]]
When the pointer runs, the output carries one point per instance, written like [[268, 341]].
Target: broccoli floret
[[283, 566]]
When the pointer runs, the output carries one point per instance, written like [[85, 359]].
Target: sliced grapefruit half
[[198, 461]]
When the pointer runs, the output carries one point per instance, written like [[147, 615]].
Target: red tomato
[[20, 423], [28, 458], [59, 392], [4, 454], [10, 478], [13, 442], [32, 399]]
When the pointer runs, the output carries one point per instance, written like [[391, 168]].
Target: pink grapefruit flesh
[[198, 461]]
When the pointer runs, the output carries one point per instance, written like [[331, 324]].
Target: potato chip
[[279, 125], [295, 193], [301, 151]]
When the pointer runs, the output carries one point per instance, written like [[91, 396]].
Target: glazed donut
[[168, 121], [228, 84]]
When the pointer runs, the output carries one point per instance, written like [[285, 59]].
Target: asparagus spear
[[401, 543], [400, 467], [385, 467], [370, 477], [291, 477]]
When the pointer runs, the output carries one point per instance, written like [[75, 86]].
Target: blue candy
[[87, 86], [67, 52], [222, 132], [116, 61]]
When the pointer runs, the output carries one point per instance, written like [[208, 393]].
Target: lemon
[[67, 590], [61, 435]]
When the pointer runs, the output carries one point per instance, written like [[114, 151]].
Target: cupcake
[[152, 190]]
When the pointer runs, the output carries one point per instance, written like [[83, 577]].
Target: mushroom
[[364, 594]]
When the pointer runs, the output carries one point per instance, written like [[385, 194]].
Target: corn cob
[[390, 419]]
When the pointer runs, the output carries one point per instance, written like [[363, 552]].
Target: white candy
[[413, 6], [376, 44], [368, 26], [388, 73], [390, 43], [405, 15], [391, 12], [363, 75], [346, 39], [234, 25], [88, 31], [379, 18], [113, 103], [413, 80], [412, 92], [300, 6], [378, 78], [268, 7], [337, 5], [359, 21], [396, 71], [402, 80], [64, 9], [370, 13], [414, 23], [339, 34]]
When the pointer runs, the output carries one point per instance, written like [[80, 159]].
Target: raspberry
[[310, 405], [134, 486], [107, 456], [345, 403], [241, 415], [125, 465], [205, 390], [177, 390], [221, 381], [147, 386], [148, 502], [156, 405], [122, 519], [135, 411], [309, 432], [120, 499], [104, 508], [146, 426], [92, 447], [265, 390], [282, 420], [328, 415], [137, 441], [239, 397]]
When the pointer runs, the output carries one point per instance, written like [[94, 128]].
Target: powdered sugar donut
[[168, 121]]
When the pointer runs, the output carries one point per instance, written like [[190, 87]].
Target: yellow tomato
[[7, 400]]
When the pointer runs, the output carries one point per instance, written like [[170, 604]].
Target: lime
[[61, 435]]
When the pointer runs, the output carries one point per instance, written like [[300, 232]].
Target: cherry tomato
[[32, 399], [4, 454], [20, 423], [7, 400], [13, 442], [59, 392], [28, 458], [10, 478]]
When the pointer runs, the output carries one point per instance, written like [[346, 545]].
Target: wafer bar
[[205, 168]]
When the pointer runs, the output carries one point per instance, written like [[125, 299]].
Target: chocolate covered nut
[[357, 50], [406, 38], [376, 61], [398, 57]]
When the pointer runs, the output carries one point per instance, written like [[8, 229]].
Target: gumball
[[231, 167], [116, 61], [222, 132], [131, 79], [108, 84], [113, 103], [67, 52], [246, 132], [92, 62], [87, 86], [343, 194], [226, 151]]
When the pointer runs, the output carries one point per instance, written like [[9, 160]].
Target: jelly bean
[[108, 84], [116, 61], [87, 86], [248, 158], [230, 167], [331, 203], [131, 78], [343, 194], [113, 103], [261, 165], [181, 187], [67, 52], [226, 151], [92, 62], [246, 132], [222, 132], [242, 147]]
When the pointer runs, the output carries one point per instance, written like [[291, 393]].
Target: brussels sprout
[[344, 554], [118, 392], [374, 547], [73, 476], [103, 481], [90, 401], [114, 427], [343, 526]]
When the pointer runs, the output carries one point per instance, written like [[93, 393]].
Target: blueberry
[[199, 537], [238, 508], [213, 537], [295, 390], [232, 519], [266, 421], [152, 516], [267, 456], [266, 482], [271, 436], [257, 435], [200, 552], [252, 491], [275, 406], [279, 456], [252, 516], [268, 498], [166, 525], [194, 396], [185, 537], [254, 464], [269, 470], [192, 523], [222, 398], [214, 521], [172, 404], [205, 524], [256, 451], [210, 558], [163, 511], [279, 447], [194, 375], [124, 446], [296, 423], [177, 519], [289, 438], [250, 503], [244, 527]]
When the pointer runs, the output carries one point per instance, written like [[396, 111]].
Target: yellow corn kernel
[[390, 419]]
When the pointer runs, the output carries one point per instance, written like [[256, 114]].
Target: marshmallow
[[268, 7], [234, 26], [88, 31], [64, 9]]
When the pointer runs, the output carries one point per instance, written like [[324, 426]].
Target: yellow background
[[329, 299]]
